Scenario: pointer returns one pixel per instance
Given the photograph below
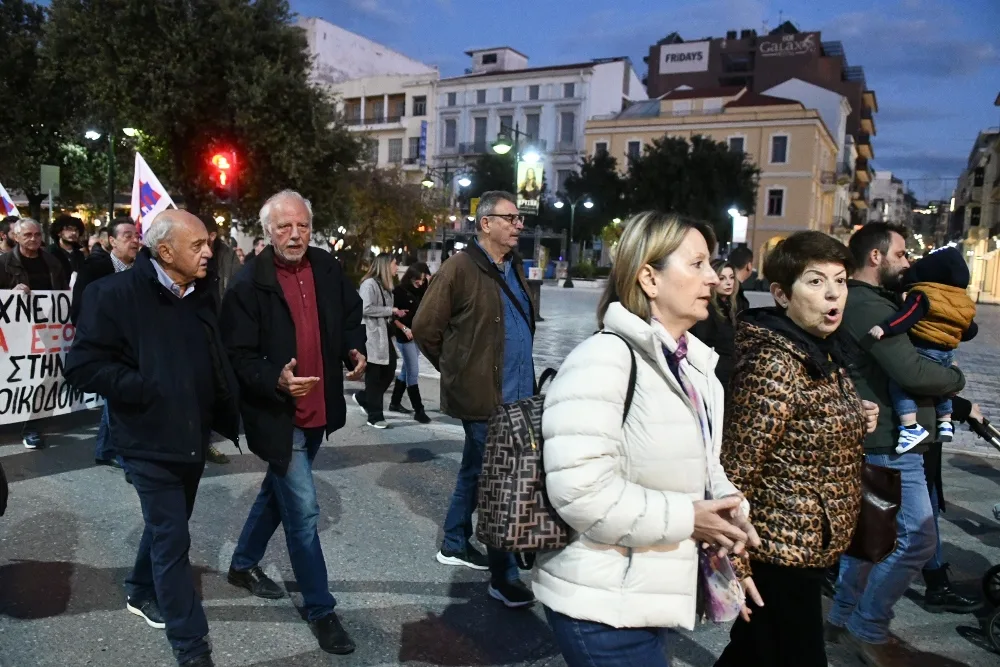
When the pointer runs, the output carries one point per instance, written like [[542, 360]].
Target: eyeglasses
[[512, 218]]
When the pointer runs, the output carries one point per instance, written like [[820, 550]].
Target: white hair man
[[28, 266], [291, 323], [148, 341]]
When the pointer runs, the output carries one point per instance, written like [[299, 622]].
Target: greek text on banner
[[35, 335]]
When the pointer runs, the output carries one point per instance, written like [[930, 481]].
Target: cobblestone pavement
[[70, 534]]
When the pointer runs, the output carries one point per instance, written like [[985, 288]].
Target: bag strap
[[547, 375], [630, 392]]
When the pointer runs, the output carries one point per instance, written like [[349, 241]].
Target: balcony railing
[[473, 148], [373, 120]]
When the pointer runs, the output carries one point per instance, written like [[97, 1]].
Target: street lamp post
[[504, 145], [559, 203]]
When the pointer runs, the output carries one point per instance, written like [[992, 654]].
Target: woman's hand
[[752, 593], [713, 524], [399, 313], [871, 415], [408, 332]]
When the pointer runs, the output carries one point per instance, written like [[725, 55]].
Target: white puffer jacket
[[628, 493]]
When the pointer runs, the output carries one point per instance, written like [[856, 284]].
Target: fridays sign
[[35, 335]]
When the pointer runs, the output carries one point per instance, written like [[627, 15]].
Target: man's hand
[[871, 415], [976, 413], [295, 386], [23, 289], [360, 363], [876, 332]]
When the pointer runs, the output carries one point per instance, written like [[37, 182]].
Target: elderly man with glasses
[[476, 325]]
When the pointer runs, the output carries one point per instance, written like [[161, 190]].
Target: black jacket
[[405, 298], [222, 268], [126, 349], [259, 336], [719, 333], [12, 271], [97, 266], [71, 261]]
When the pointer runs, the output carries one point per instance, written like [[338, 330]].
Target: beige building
[[791, 144]]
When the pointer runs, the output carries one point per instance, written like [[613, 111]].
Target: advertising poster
[[529, 187], [686, 57], [35, 335]]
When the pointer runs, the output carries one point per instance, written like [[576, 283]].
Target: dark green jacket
[[892, 357]]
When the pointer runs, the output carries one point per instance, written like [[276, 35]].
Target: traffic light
[[223, 174]]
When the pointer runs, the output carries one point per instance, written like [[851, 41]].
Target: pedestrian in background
[[406, 298], [291, 323], [124, 249], [866, 592], [26, 268], [7, 241], [148, 341], [67, 232], [376, 293], [637, 505], [718, 330], [475, 325], [792, 443]]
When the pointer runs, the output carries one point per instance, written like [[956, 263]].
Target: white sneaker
[[380, 424], [910, 437], [945, 431]]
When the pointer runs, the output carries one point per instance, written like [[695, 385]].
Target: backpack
[[515, 514]]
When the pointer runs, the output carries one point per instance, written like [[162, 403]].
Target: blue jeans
[[937, 560], [458, 522], [866, 592], [290, 499], [103, 449], [589, 644], [162, 568], [410, 373], [902, 404]]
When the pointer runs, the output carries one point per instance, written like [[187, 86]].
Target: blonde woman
[[376, 293], [639, 496], [718, 330]]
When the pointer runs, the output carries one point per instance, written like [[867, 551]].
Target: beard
[[889, 278]]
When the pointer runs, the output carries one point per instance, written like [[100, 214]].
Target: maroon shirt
[[299, 289]]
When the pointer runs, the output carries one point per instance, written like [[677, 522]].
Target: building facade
[[548, 105], [763, 62], [976, 218], [791, 144], [382, 94], [889, 201]]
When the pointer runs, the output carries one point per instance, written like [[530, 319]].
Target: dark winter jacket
[[405, 297], [792, 441], [138, 346], [259, 336], [222, 268], [12, 272], [892, 357], [97, 266], [719, 333], [71, 261]]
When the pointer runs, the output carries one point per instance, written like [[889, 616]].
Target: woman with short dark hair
[[792, 442], [406, 297]]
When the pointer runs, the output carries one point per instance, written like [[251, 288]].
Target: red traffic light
[[223, 173]]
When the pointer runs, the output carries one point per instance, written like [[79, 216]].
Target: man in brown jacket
[[476, 325]]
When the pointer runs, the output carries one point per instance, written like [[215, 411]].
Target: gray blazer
[[377, 315]]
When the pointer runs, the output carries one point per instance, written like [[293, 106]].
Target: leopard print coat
[[793, 444]]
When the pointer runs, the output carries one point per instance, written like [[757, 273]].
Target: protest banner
[[35, 335]]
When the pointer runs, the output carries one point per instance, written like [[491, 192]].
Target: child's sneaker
[[910, 437], [945, 431]]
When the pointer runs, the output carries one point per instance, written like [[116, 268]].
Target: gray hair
[[488, 204], [275, 200], [19, 225], [159, 231]]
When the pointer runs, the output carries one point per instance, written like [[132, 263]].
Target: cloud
[[912, 114], [925, 162], [921, 39]]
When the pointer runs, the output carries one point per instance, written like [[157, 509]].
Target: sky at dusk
[[934, 65]]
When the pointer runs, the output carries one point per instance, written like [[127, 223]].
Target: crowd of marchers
[[705, 441]]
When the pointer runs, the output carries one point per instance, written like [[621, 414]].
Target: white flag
[[7, 204], [149, 197]]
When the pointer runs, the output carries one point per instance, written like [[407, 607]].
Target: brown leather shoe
[[215, 456], [893, 653]]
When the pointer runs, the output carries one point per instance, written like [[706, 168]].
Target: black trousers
[[788, 630], [378, 378]]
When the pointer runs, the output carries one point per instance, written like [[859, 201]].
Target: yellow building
[[791, 144]]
